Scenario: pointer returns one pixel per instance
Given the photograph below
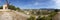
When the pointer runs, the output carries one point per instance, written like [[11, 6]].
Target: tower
[[5, 6]]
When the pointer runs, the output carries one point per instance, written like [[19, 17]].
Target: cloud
[[57, 3], [36, 3], [39, 4]]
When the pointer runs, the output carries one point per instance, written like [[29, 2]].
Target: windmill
[[6, 5]]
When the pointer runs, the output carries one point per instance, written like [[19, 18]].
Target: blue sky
[[33, 4]]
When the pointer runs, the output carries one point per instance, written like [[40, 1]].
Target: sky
[[34, 4]]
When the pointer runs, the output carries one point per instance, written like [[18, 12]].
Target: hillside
[[12, 15]]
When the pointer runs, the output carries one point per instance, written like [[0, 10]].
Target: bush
[[32, 18], [44, 18], [41, 18]]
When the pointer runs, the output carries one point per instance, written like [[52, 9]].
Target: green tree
[[56, 10], [12, 7], [1, 7]]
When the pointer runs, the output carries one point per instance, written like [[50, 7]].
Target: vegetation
[[49, 17], [56, 10], [43, 18], [32, 18]]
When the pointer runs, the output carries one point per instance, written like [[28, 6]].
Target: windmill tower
[[5, 6]]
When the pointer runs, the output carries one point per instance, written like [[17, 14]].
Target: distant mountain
[[41, 9]]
